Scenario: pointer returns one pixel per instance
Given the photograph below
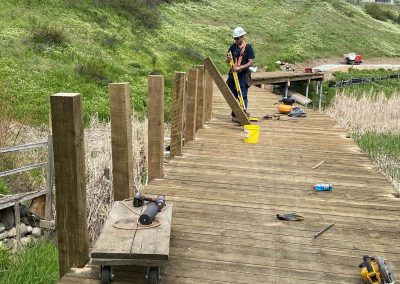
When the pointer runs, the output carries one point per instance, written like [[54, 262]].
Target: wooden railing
[[191, 107]]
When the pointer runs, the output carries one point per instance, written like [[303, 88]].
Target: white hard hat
[[237, 32]]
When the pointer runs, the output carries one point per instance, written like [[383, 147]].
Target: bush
[[94, 70], [111, 41], [382, 13], [46, 34], [376, 11], [141, 11]]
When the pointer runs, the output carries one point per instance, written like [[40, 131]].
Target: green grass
[[386, 144], [34, 264], [51, 46], [3, 188], [383, 148]]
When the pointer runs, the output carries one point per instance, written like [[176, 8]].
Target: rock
[[37, 232], [25, 220], [29, 228], [23, 230], [2, 228], [26, 240], [3, 236], [7, 218], [12, 232], [12, 244], [23, 209]]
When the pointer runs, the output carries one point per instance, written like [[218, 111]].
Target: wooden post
[[307, 87], [121, 140], [70, 181], [200, 98], [190, 125], [17, 221], [209, 95], [50, 176], [226, 92], [287, 89], [320, 97], [155, 115], [178, 92]]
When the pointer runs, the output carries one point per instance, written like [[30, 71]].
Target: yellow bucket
[[251, 133]]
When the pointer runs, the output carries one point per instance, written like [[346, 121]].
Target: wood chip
[[317, 165]]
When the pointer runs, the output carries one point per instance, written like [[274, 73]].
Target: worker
[[243, 58]]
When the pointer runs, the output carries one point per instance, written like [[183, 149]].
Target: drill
[[155, 206]]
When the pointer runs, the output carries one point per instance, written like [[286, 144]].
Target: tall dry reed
[[97, 158], [363, 114], [99, 169], [377, 115]]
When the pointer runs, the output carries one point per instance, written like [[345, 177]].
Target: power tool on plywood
[[155, 205], [237, 86], [376, 271]]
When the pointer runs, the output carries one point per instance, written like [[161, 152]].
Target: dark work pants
[[243, 87]]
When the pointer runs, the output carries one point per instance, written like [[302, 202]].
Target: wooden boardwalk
[[227, 193]]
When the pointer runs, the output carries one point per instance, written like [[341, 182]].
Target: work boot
[[235, 119]]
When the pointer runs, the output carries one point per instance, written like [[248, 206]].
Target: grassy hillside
[[51, 46]]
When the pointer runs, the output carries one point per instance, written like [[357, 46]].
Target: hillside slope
[[50, 46]]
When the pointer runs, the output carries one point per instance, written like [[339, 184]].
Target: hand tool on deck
[[152, 210], [290, 217], [139, 199], [376, 271], [323, 230], [237, 86]]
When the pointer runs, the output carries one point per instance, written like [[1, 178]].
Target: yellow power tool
[[376, 271]]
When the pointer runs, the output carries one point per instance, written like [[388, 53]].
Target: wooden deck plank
[[148, 242], [226, 195]]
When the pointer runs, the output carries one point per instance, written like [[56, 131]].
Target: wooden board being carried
[[147, 247], [226, 92]]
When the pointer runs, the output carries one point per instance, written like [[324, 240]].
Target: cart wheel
[[153, 275], [105, 274]]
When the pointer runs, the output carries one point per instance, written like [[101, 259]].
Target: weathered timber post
[[307, 87], [121, 140], [155, 115], [178, 95], [209, 95], [287, 89], [70, 181], [200, 98], [50, 176], [17, 222], [320, 96], [191, 102]]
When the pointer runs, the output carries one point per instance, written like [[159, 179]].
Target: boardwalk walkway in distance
[[227, 193]]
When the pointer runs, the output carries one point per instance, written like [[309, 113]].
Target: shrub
[[95, 70], [141, 11], [111, 41], [376, 11], [46, 34]]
